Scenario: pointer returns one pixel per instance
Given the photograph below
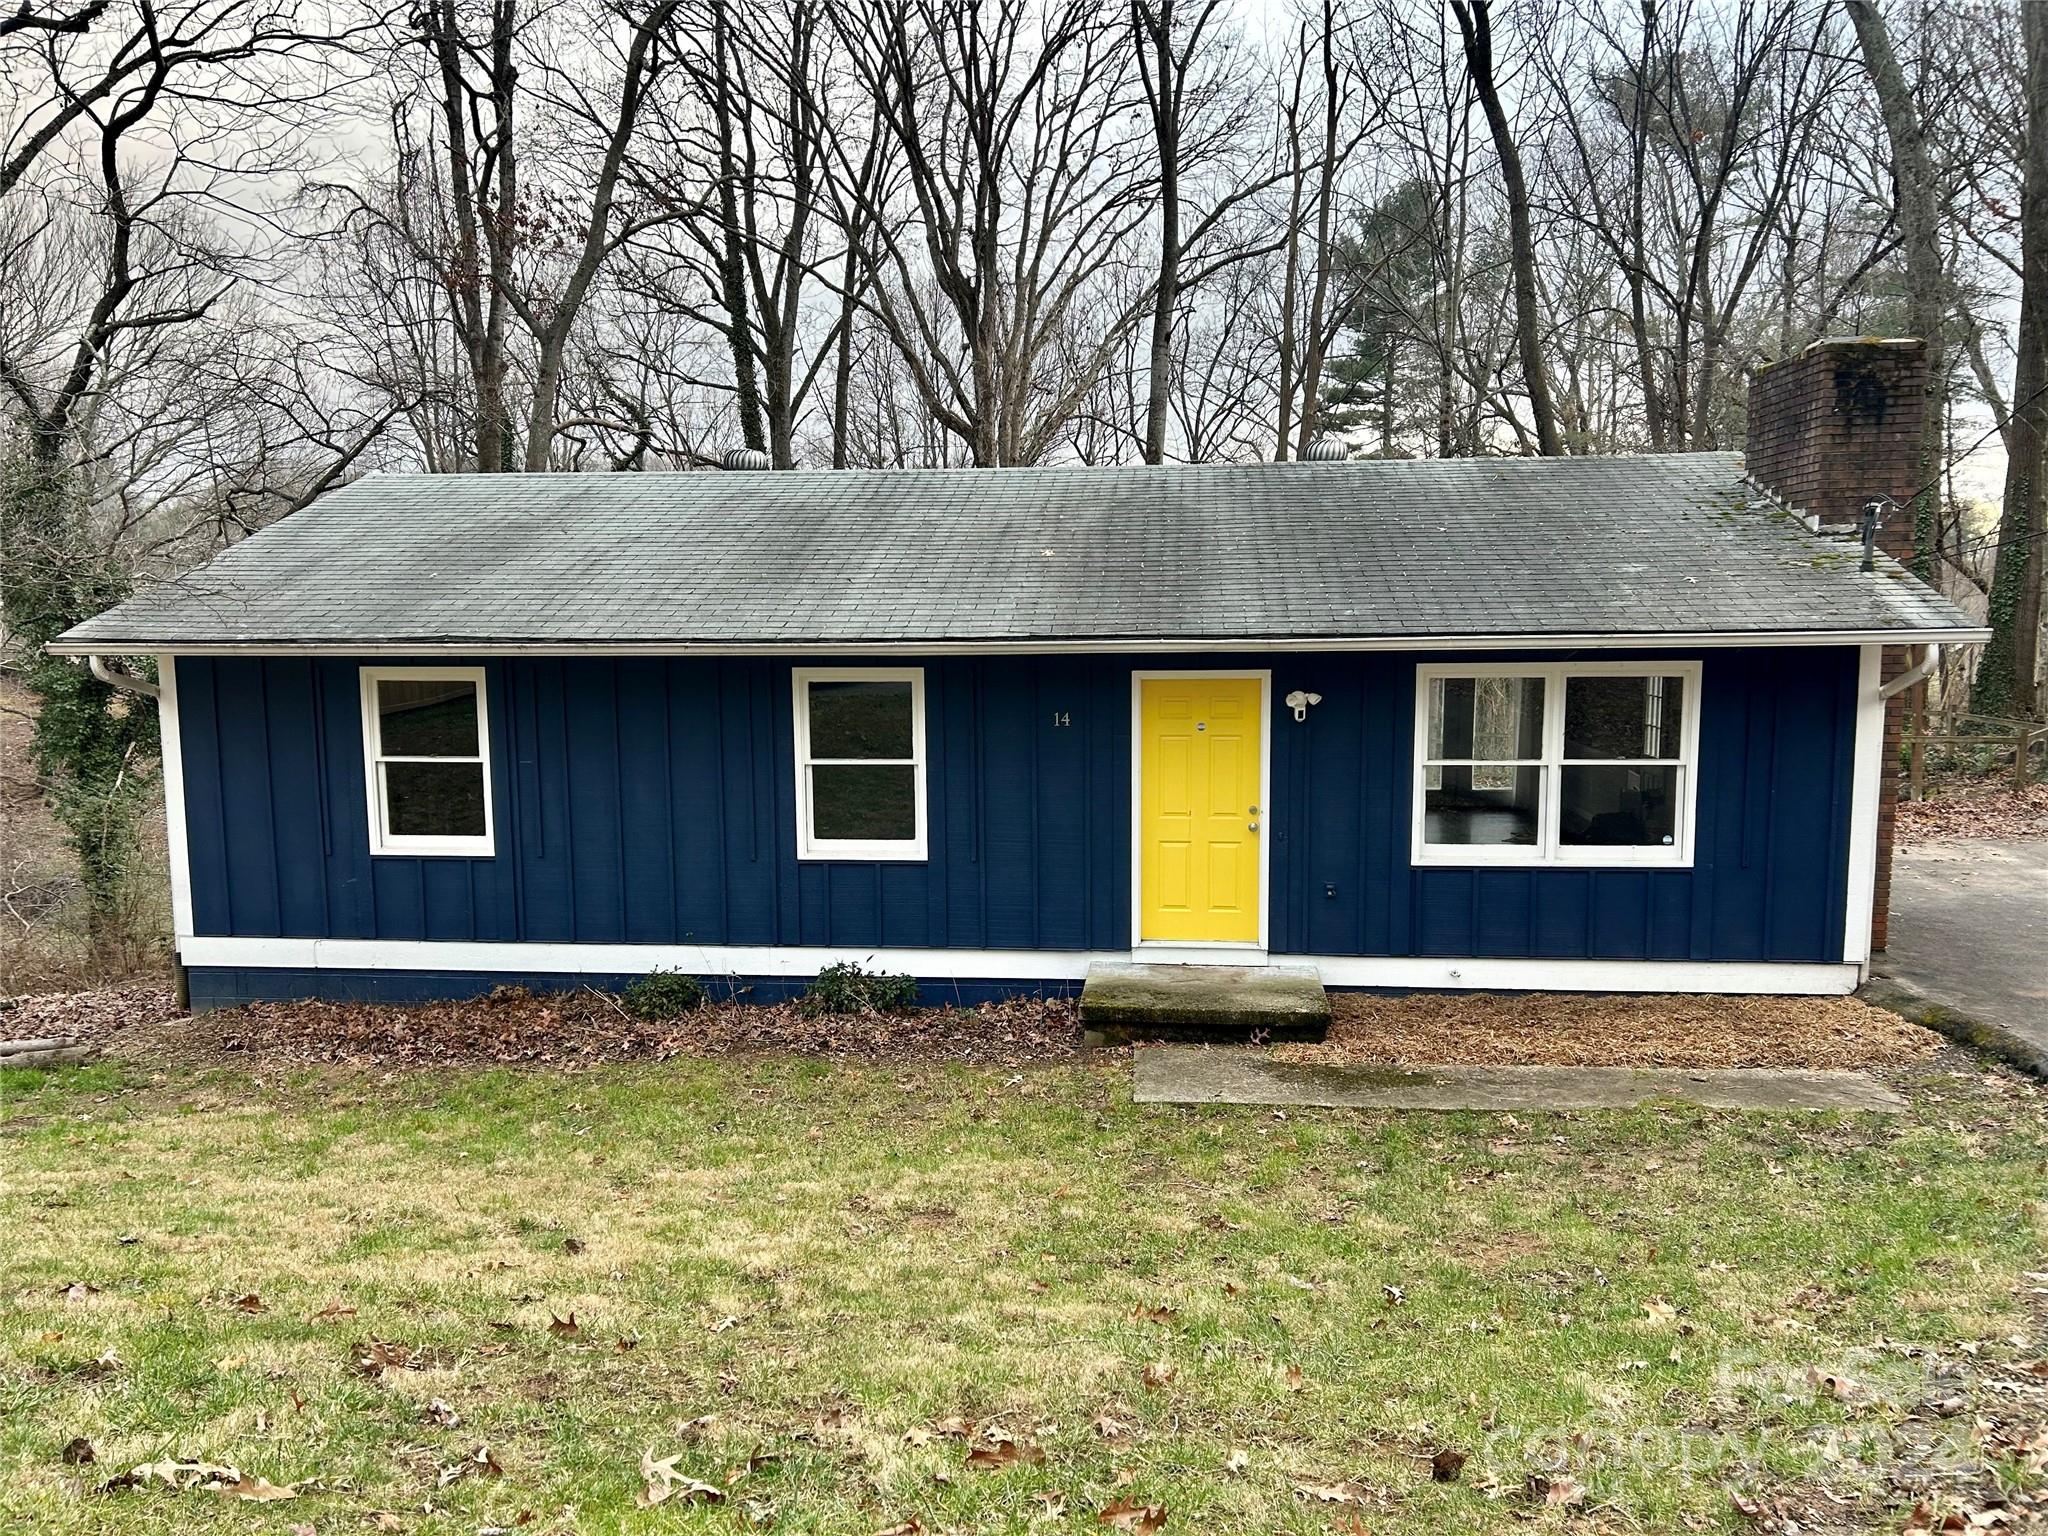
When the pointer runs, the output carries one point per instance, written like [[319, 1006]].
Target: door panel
[[1200, 859]]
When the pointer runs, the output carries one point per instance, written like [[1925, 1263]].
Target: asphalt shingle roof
[[1674, 544]]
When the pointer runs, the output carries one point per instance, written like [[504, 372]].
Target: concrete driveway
[[1969, 930]]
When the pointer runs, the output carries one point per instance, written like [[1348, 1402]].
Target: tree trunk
[[2005, 677], [1475, 25], [1919, 212], [1156, 35], [732, 268], [1316, 337]]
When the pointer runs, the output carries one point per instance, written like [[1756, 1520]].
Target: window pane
[[860, 720], [426, 718], [1465, 813], [1623, 717], [857, 803], [434, 799], [1486, 717], [1620, 807]]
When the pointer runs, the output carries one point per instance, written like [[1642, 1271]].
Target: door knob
[[1251, 826]]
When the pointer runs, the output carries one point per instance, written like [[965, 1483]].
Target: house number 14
[[1061, 719]]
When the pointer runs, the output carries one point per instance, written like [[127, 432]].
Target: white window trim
[[813, 849], [1548, 850], [387, 844]]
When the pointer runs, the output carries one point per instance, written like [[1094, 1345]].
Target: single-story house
[[1579, 723]]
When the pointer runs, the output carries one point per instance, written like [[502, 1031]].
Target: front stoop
[[1125, 1001]]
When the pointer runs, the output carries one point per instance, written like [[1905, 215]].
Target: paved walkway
[[1969, 930], [1178, 1074]]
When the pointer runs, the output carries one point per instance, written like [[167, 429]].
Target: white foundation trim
[[1866, 776], [173, 749], [1423, 974]]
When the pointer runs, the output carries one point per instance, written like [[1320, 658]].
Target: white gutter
[[121, 679], [1047, 647], [1919, 673]]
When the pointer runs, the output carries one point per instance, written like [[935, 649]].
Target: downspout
[[1899, 684], [122, 680]]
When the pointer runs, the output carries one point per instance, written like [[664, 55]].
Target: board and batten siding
[[651, 800]]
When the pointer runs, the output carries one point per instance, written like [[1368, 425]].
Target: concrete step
[[1125, 1001]]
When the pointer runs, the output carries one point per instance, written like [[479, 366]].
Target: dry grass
[[1546, 1029], [818, 1267]]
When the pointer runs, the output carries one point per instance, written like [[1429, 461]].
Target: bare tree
[[1024, 187], [2007, 675], [1475, 25], [1917, 201]]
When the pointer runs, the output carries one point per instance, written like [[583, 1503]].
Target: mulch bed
[[1548, 1029], [515, 1027], [588, 1028], [2005, 813]]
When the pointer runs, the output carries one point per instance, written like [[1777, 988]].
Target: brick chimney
[[1839, 424], [1828, 430]]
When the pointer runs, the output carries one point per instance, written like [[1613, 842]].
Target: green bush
[[846, 988], [664, 995]]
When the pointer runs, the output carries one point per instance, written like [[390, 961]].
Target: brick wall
[[1828, 430], [1837, 425]]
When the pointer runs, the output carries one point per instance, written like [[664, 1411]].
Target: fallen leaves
[[78, 1452], [1999, 812], [513, 1026], [438, 1412], [660, 1481], [1445, 1465], [205, 1476], [1553, 1492], [563, 1327], [1159, 1374], [480, 1462], [1342, 1492], [997, 1449], [380, 1356], [1129, 1515]]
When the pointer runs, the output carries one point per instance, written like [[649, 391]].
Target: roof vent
[[743, 458], [1326, 450]]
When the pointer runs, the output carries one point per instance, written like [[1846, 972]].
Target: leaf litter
[[514, 1026]]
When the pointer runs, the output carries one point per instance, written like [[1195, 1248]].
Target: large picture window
[[1569, 763], [426, 753], [860, 768]]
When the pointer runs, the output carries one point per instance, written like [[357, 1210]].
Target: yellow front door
[[1201, 809]]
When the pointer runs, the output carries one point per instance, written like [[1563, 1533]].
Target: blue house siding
[[651, 800]]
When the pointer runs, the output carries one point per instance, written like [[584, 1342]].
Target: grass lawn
[[794, 1277]]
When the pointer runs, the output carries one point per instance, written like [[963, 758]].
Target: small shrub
[[664, 995], [846, 988]]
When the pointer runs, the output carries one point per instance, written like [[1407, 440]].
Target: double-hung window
[[426, 751], [1560, 763], [860, 763]]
